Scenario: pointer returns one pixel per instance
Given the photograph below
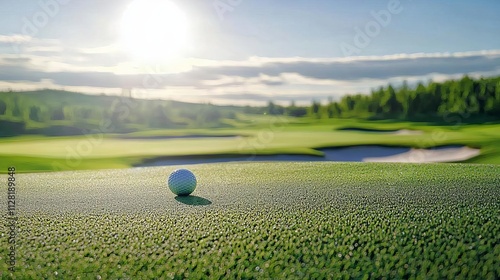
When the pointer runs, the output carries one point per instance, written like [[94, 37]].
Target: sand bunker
[[352, 154], [407, 132], [400, 154], [443, 154]]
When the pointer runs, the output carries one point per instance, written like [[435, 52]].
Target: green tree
[[273, 109], [334, 110], [295, 111], [35, 114], [492, 106], [315, 109], [403, 97], [16, 110], [389, 102], [375, 102], [3, 107], [57, 113]]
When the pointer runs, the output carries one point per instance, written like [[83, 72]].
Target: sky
[[244, 51]]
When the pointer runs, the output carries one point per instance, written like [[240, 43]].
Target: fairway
[[277, 136], [260, 220], [166, 139]]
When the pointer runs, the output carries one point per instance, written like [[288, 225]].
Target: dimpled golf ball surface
[[182, 182]]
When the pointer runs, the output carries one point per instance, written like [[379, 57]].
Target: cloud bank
[[251, 81]]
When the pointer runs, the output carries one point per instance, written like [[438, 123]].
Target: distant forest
[[53, 112], [470, 97]]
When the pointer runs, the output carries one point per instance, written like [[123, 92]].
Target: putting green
[[260, 220]]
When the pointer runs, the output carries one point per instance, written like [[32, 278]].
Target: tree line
[[466, 96], [474, 97], [71, 113]]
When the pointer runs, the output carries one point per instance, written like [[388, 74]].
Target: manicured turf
[[268, 135], [261, 220]]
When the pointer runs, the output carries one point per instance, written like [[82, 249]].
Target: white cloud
[[109, 49], [44, 49], [252, 81], [15, 39]]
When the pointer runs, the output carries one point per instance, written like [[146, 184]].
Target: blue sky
[[259, 50]]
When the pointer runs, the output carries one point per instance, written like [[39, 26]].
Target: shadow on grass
[[193, 200]]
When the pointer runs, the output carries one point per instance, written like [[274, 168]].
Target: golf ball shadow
[[193, 200]]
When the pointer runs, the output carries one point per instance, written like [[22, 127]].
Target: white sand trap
[[407, 132], [392, 132], [443, 154]]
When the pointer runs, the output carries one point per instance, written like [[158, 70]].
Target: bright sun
[[154, 29]]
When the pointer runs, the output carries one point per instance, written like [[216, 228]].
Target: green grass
[[266, 135], [261, 220], [40, 164]]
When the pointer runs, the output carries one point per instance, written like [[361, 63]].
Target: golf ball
[[182, 182]]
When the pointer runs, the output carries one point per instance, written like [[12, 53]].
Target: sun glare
[[154, 29]]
